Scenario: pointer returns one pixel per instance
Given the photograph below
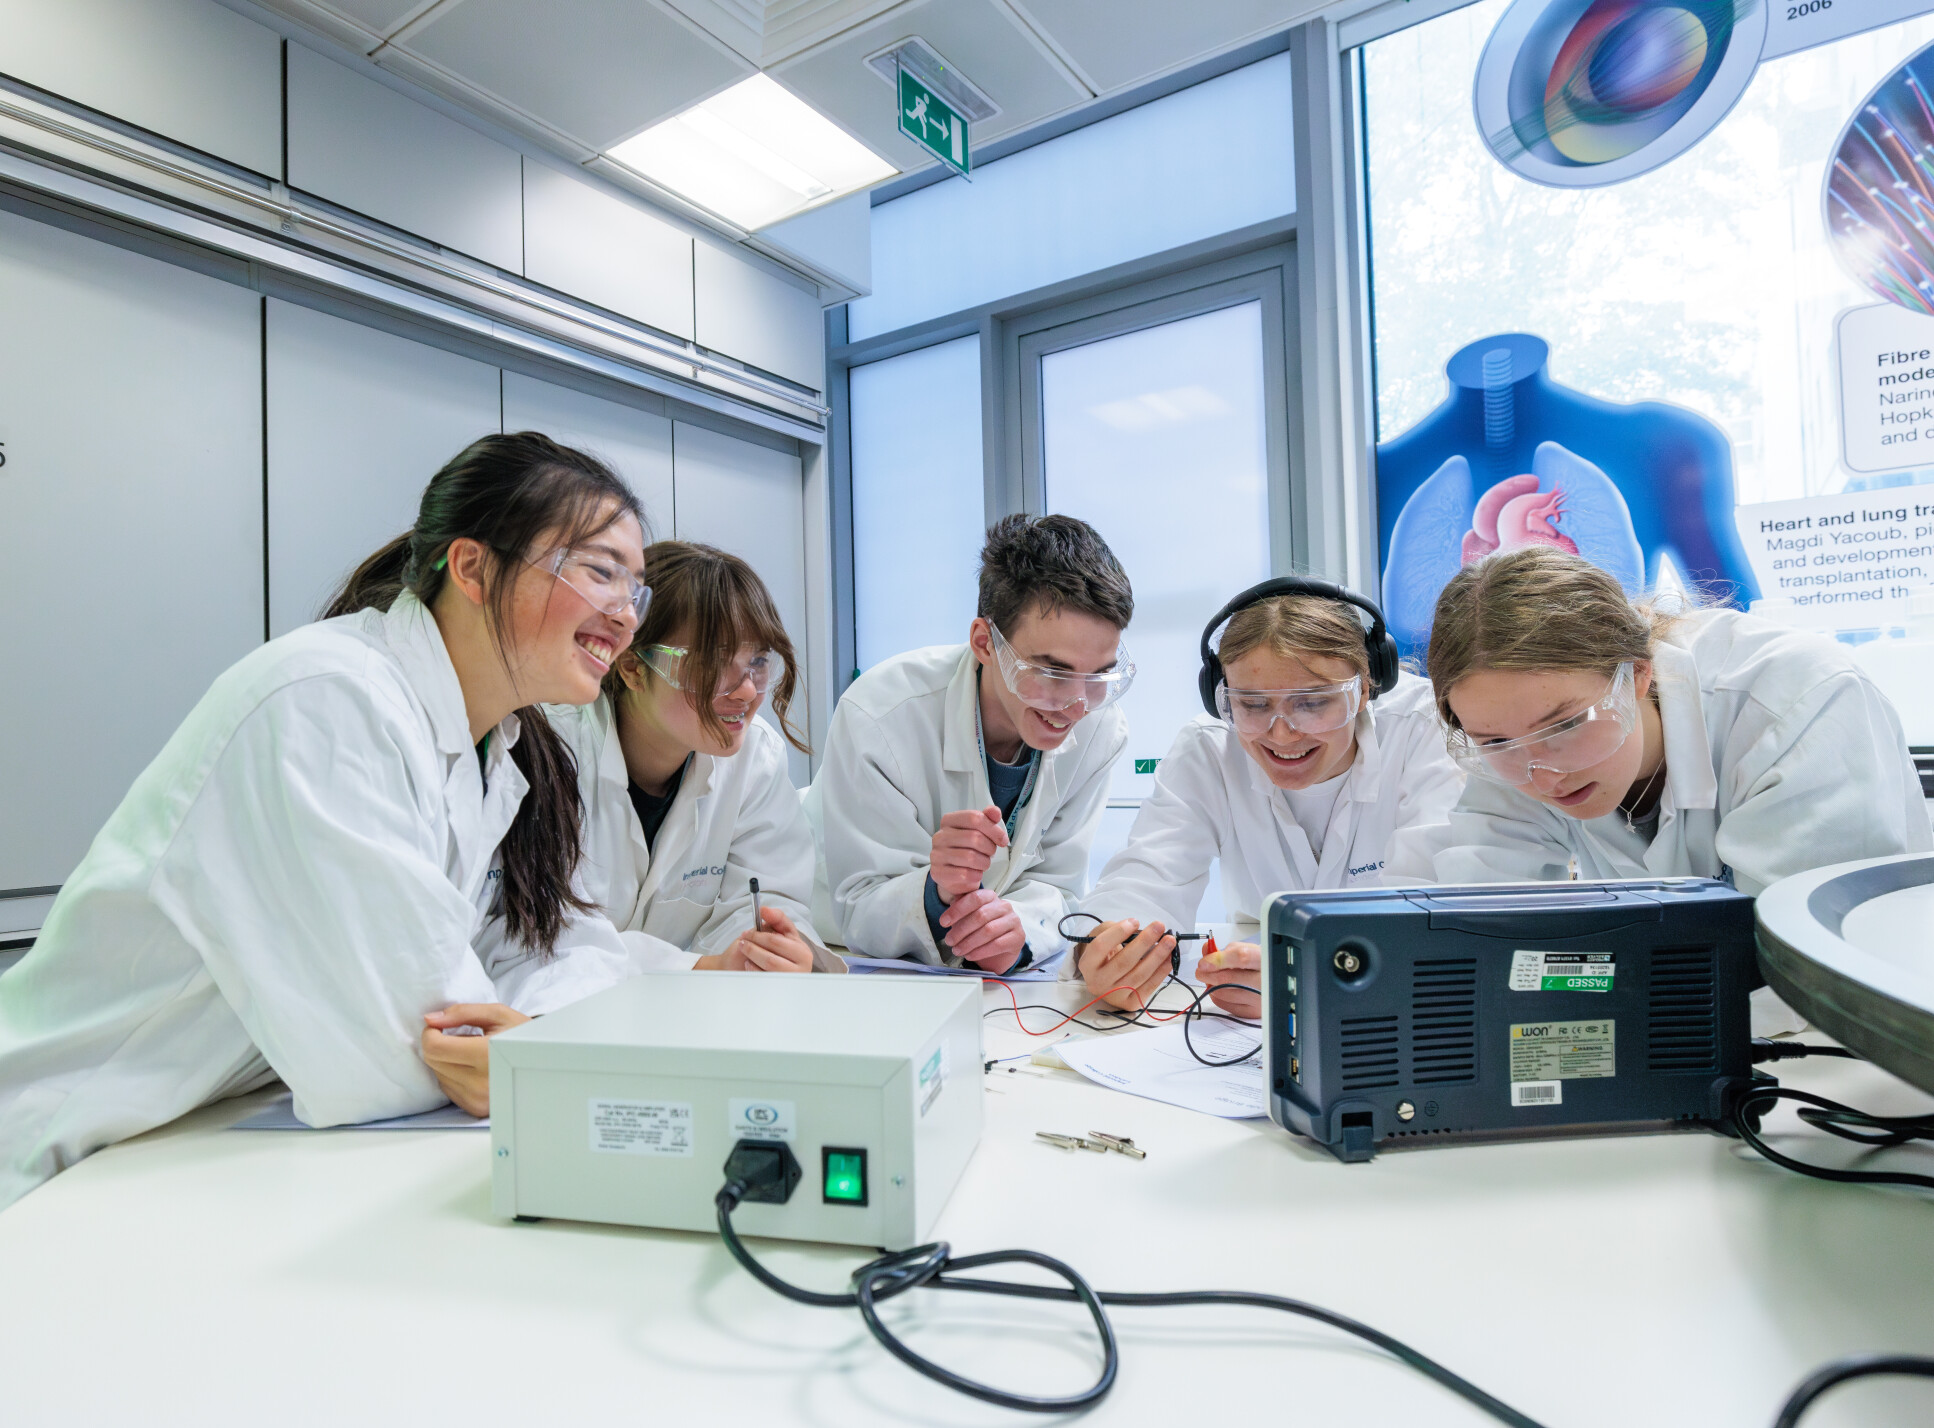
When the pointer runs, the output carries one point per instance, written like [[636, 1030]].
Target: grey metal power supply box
[[623, 1107]]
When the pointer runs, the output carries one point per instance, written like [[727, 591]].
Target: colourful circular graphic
[[1879, 192], [1578, 93]]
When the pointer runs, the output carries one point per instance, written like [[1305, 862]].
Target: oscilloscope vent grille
[[1443, 1021], [1369, 1052], [1682, 1014]]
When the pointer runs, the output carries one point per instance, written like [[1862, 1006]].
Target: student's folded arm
[[310, 879], [1829, 782], [1497, 835], [589, 956], [877, 850]]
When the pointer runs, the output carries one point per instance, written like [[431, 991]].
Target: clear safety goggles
[[1254, 712], [606, 586], [758, 666], [1570, 746], [1052, 690]]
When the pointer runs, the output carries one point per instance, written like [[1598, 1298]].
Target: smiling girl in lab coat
[[361, 822], [1318, 753], [686, 794], [1608, 739]]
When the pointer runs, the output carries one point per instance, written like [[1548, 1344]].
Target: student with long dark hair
[[686, 795], [361, 823]]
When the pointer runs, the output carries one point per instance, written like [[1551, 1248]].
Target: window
[[919, 503], [1156, 439]]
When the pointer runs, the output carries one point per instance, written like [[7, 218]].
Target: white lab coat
[[1781, 756], [1212, 801], [302, 872], [904, 750], [734, 819]]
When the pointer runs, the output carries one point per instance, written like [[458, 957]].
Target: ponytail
[[506, 492]]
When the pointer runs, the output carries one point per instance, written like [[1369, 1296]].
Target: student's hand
[[1125, 963], [984, 929], [776, 947], [963, 847], [461, 1063], [1239, 965]]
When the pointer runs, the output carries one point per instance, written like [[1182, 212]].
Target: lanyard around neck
[[1033, 762]]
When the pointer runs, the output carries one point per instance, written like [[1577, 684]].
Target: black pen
[[758, 921]]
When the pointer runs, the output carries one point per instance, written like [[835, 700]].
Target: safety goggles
[[606, 586], [668, 662], [1252, 713], [1052, 690], [1567, 747]]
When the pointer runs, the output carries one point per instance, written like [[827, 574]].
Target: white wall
[[131, 514], [358, 423]]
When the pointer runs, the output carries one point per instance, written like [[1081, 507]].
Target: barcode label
[[1537, 1093]]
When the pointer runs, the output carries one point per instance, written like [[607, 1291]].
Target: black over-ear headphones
[[1384, 665]]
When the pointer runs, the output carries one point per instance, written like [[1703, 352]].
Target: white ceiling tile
[[597, 69], [1118, 42], [974, 36]]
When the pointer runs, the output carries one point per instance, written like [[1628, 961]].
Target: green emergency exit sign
[[933, 124], [1146, 765]]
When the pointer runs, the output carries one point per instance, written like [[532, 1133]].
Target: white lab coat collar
[[1689, 778], [412, 634], [616, 781]]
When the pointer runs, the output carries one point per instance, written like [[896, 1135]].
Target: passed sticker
[[641, 1127], [1562, 971], [1547, 1053]]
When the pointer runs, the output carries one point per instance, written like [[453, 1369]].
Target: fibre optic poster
[[1654, 282]]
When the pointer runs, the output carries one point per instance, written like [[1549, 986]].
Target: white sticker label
[[760, 1119], [933, 1077], [1562, 971], [641, 1127], [1543, 1052], [1538, 1093]]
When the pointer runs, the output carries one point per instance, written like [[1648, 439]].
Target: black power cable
[[1835, 1119], [1840, 1371], [930, 1266]]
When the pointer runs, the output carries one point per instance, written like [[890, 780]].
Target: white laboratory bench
[[357, 1277]]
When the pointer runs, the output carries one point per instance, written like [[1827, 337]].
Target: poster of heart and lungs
[[1662, 294]]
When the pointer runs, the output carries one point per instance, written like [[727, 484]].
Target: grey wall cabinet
[[359, 421], [188, 69], [361, 144], [636, 444], [748, 312], [130, 520], [591, 245]]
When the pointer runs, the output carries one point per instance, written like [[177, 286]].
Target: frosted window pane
[[1206, 160], [1155, 438], [919, 503]]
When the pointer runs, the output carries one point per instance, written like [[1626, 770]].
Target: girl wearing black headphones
[[1294, 779]]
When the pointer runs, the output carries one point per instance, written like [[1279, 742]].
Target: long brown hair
[[1536, 608], [716, 604], [508, 492]]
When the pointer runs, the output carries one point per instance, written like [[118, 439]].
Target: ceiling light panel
[[753, 154]]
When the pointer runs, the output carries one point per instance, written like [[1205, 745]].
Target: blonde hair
[[1296, 626], [1536, 608]]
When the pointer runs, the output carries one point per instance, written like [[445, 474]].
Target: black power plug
[[764, 1171]]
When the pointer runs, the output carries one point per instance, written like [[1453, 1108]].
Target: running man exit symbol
[[933, 124]]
